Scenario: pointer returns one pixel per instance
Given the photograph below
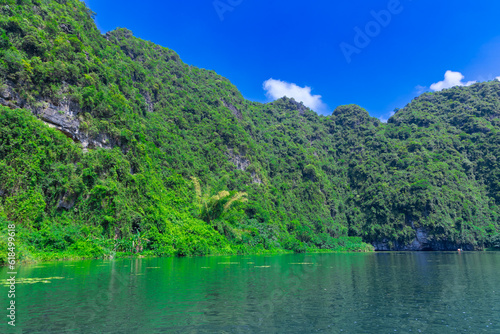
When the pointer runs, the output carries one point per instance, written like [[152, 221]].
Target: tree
[[213, 207]]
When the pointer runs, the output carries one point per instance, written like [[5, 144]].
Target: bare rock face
[[149, 102], [8, 97], [66, 202], [233, 109], [256, 179], [62, 116], [242, 163], [6, 92], [422, 242]]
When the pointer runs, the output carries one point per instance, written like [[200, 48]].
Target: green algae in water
[[295, 293]]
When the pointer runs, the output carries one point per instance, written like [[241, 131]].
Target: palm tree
[[213, 207]]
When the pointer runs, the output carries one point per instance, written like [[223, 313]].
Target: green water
[[325, 293]]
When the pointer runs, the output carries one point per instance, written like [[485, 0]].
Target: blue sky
[[378, 54]]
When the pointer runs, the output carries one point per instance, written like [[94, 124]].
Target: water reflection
[[331, 293]]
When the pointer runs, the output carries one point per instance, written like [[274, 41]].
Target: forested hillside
[[109, 144]]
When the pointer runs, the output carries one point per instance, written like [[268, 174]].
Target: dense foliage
[[294, 180]]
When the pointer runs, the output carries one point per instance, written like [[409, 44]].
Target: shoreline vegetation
[[110, 144], [348, 245], [41, 257]]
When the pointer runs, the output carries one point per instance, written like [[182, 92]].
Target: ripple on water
[[349, 293]]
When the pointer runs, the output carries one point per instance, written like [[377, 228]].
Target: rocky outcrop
[[255, 178], [8, 97], [66, 202], [422, 242], [233, 109], [62, 116], [300, 106], [243, 163], [149, 102]]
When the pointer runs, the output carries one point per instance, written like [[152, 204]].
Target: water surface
[[301, 293]]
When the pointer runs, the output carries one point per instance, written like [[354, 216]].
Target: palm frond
[[197, 188], [238, 197]]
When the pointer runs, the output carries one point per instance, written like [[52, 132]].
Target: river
[[426, 292]]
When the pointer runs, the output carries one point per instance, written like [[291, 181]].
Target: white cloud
[[384, 118], [276, 89], [451, 79], [498, 78]]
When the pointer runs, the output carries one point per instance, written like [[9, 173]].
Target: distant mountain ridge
[[128, 124]]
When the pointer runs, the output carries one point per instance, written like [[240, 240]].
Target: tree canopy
[[101, 135]]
